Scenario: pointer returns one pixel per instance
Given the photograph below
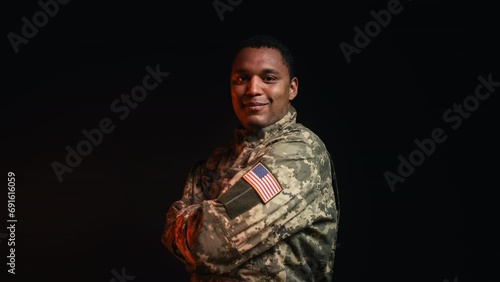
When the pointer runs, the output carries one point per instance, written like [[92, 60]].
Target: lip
[[255, 106]]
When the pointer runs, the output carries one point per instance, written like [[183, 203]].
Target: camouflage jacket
[[282, 226]]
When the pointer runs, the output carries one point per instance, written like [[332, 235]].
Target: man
[[262, 208]]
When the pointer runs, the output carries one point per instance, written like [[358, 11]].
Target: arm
[[183, 207], [219, 235]]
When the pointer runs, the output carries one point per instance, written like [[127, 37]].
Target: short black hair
[[269, 41]]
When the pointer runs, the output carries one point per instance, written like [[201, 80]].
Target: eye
[[269, 78], [240, 79]]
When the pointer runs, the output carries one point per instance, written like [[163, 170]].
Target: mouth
[[255, 106]]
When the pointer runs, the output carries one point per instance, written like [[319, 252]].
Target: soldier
[[262, 208]]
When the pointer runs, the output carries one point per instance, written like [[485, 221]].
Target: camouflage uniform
[[223, 231]]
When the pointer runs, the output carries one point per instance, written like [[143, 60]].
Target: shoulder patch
[[263, 181]]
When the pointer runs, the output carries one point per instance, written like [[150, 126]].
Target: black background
[[109, 212]]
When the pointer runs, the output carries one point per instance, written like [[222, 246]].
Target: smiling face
[[261, 88]]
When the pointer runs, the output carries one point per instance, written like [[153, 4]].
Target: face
[[261, 89]]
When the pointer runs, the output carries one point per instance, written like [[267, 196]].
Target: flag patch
[[262, 180]]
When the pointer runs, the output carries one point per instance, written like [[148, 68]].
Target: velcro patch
[[263, 181]]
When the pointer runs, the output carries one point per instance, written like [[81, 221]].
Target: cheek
[[236, 104], [235, 97], [280, 98], [237, 93]]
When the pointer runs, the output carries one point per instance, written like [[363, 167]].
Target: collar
[[250, 139]]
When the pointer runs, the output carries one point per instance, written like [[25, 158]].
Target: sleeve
[[217, 236], [181, 208]]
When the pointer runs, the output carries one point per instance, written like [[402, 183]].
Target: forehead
[[250, 58]]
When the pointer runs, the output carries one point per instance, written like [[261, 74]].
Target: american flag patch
[[263, 182]]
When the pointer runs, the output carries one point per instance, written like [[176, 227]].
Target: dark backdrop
[[107, 215]]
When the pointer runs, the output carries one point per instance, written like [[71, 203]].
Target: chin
[[255, 124]]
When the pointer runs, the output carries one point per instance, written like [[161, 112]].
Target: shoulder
[[298, 157], [299, 143], [300, 137]]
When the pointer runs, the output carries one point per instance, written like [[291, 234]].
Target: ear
[[294, 89]]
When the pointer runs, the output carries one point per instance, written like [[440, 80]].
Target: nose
[[254, 86]]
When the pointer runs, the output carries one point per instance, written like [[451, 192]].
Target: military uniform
[[259, 209]]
